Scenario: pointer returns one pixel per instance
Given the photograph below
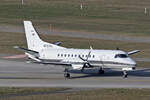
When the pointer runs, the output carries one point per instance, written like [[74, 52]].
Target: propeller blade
[[88, 55], [86, 60], [82, 58]]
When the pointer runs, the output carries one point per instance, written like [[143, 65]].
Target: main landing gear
[[101, 71], [66, 74], [125, 74]]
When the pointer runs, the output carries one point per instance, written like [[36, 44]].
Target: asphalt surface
[[88, 35], [23, 74]]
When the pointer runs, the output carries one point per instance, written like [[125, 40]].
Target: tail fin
[[33, 40]]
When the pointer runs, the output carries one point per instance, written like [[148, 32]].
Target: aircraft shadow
[[11, 77], [110, 73]]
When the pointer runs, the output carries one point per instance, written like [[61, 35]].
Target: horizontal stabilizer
[[34, 53]]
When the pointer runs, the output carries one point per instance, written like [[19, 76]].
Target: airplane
[[75, 59]]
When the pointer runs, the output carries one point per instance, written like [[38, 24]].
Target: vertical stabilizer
[[33, 40]]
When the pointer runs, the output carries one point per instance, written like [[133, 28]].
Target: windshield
[[121, 56]]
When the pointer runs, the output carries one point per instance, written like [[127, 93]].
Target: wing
[[133, 52]]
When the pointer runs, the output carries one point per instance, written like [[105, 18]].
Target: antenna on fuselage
[[117, 48]]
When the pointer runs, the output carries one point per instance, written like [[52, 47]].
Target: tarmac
[[87, 35], [25, 74], [20, 73]]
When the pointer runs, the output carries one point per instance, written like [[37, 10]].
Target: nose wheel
[[125, 74]]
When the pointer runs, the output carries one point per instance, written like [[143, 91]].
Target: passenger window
[[58, 55], [65, 55], [89, 56], [72, 55], [68, 55], [62, 55], [75, 56], [93, 56]]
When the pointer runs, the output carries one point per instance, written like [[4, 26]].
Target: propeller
[[86, 60]]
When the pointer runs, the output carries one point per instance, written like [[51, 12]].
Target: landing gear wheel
[[67, 75], [125, 75], [101, 71]]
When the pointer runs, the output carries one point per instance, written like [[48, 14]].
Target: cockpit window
[[121, 56]]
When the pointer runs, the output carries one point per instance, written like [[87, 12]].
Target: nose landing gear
[[125, 74]]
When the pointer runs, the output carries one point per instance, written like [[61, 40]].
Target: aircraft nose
[[132, 62]]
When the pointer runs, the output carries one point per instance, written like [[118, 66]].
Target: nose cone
[[130, 62], [133, 64]]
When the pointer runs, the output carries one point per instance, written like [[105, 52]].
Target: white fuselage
[[97, 58]]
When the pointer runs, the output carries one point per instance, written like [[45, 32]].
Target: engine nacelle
[[77, 66], [127, 69]]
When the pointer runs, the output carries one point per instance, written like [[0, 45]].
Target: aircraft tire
[[67, 75], [101, 71]]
